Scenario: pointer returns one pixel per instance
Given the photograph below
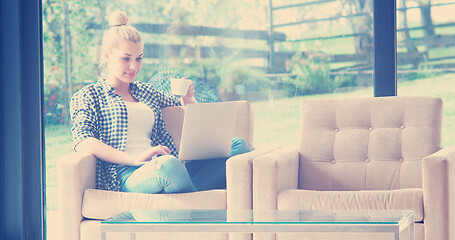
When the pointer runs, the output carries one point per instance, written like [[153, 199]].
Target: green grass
[[276, 122], [58, 141], [442, 86]]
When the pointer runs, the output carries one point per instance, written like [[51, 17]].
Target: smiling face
[[124, 62]]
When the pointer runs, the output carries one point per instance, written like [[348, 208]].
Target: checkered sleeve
[[166, 101], [161, 99], [83, 116], [161, 83]]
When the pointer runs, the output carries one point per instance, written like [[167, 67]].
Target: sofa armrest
[[239, 177], [75, 173], [272, 173], [244, 123], [438, 179]]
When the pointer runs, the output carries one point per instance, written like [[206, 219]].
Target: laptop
[[208, 129]]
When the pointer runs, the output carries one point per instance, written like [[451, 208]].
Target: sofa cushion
[[367, 143], [100, 204], [400, 199]]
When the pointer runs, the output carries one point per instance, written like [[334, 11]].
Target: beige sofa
[[372, 153], [81, 207]]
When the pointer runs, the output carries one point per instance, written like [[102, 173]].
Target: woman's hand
[[189, 97], [142, 158], [190, 92]]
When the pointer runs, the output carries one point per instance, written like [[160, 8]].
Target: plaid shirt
[[96, 111]]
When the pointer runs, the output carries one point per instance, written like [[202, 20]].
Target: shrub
[[54, 107], [250, 79], [310, 73]]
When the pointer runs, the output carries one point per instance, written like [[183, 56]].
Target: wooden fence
[[275, 67]]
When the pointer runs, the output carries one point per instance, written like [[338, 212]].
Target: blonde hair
[[118, 30]]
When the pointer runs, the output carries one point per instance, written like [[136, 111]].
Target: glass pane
[[316, 49], [426, 59], [326, 50], [258, 217]]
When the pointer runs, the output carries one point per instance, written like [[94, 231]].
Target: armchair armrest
[[76, 172], [438, 193], [239, 171], [272, 173]]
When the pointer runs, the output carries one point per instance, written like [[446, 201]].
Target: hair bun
[[118, 18]]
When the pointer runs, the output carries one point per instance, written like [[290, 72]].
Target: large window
[[270, 53], [71, 30]]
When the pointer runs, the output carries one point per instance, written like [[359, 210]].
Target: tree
[[69, 52], [427, 22], [362, 26]]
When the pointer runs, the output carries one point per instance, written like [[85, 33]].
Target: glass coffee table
[[260, 221]]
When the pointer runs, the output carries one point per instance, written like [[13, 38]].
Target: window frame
[[385, 37], [22, 209]]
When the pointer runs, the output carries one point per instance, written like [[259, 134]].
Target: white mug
[[180, 86]]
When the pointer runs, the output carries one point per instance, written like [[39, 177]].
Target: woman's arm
[[103, 151], [107, 153], [85, 127]]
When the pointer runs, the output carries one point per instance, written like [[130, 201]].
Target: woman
[[119, 121]]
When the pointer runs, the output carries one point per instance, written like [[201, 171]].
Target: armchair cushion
[[100, 204], [367, 143], [410, 199]]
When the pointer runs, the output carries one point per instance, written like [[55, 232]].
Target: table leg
[[103, 235], [411, 231], [133, 236]]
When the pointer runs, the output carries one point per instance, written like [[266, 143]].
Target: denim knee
[[239, 146], [169, 161], [176, 173], [164, 174]]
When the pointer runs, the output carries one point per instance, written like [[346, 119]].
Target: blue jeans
[[166, 174], [211, 173]]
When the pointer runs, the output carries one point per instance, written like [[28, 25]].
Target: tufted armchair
[[81, 207], [372, 154]]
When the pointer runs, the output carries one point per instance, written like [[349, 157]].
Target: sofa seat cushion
[[101, 204], [400, 199]]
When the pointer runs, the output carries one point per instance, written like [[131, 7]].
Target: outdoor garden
[[271, 53]]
